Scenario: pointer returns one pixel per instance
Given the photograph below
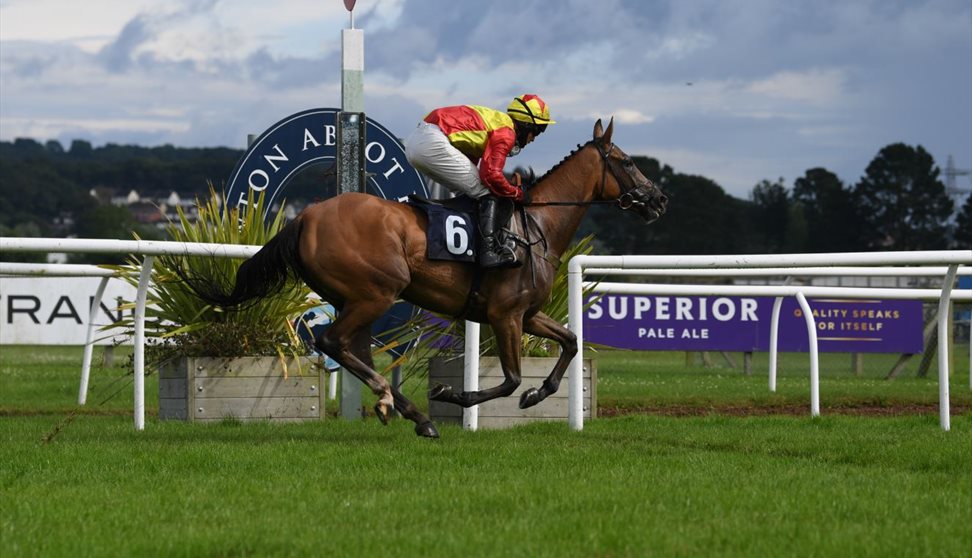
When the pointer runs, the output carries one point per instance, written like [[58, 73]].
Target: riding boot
[[495, 213]]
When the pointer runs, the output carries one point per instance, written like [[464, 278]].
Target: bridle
[[630, 192], [632, 195]]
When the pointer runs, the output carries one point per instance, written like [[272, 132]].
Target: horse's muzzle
[[647, 200]]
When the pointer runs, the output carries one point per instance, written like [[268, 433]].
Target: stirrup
[[499, 257]]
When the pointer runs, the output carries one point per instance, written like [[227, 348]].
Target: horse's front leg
[[508, 332], [544, 326]]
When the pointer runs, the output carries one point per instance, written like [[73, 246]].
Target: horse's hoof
[[427, 430], [441, 392], [529, 398], [381, 413]]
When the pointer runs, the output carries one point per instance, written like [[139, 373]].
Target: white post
[[775, 337], [88, 343], [944, 413], [332, 384], [139, 349], [352, 101], [575, 317], [470, 374], [352, 70], [774, 341], [814, 362]]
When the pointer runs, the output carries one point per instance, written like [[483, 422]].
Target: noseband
[[631, 193]]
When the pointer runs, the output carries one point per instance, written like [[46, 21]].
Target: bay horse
[[361, 253]]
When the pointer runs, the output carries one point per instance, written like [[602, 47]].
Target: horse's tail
[[266, 272]]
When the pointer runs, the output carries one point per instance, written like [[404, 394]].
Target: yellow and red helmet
[[530, 109]]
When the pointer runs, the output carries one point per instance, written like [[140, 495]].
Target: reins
[[624, 201], [543, 204]]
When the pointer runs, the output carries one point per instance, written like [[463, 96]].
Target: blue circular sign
[[308, 138]]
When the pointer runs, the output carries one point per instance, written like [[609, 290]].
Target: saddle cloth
[[453, 231]]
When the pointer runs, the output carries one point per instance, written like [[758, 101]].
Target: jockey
[[465, 148]]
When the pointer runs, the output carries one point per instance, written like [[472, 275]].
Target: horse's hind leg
[[423, 425], [544, 326], [348, 341], [343, 342], [361, 347]]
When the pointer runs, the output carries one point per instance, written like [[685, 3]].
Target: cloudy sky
[[736, 90]]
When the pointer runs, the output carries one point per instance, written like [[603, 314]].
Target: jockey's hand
[[510, 188], [521, 196]]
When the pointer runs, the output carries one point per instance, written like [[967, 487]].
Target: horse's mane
[[562, 161]]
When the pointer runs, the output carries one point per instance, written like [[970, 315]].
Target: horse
[[361, 253]]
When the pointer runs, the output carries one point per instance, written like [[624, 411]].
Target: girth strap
[[477, 281]]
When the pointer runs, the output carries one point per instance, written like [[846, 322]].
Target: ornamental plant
[[178, 323]]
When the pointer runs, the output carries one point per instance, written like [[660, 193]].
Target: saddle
[[461, 203]]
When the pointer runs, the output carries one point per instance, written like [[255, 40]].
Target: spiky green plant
[[180, 324]]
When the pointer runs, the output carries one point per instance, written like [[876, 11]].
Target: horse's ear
[[598, 129], [609, 132]]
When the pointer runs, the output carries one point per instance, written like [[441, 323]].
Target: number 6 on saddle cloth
[[452, 234]]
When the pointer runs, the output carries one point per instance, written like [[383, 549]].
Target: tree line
[[900, 202]]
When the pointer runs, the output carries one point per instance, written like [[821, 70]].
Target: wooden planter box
[[244, 388], [505, 411]]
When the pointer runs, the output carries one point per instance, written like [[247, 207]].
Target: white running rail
[[579, 265], [149, 249]]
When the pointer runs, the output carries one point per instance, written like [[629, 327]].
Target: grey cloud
[[661, 39], [903, 66], [290, 72], [117, 56], [31, 60], [499, 31]]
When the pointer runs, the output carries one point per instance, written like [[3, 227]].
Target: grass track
[[629, 486]]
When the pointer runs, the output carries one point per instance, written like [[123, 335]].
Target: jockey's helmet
[[530, 109]]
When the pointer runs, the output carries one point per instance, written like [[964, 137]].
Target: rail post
[[944, 409], [139, 349], [89, 343], [470, 373]]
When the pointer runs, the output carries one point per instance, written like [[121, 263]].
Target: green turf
[[45, 379], [623, 487], [636, 485], [630, 379]]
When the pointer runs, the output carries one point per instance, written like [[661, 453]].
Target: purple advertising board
[[714, 323]]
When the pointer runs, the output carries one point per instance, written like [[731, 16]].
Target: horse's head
[[621, 180]]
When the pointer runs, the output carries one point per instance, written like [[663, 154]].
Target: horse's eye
[[628, 163]]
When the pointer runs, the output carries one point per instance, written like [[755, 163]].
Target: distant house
[[126, 200], [163, 210], [147, 213]]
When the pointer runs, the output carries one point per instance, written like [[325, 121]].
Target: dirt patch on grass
[[784, 410], [82, 411]]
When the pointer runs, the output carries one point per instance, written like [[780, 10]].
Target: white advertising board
[[55, 310]]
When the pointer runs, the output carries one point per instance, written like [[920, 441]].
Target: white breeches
[[429, 151]]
